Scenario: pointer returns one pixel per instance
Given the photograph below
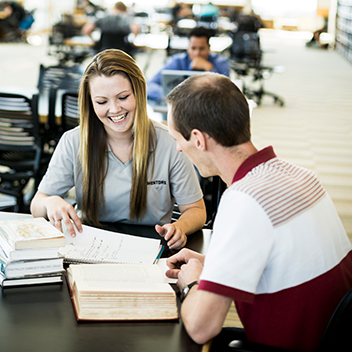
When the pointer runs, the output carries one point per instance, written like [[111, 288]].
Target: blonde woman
[[124, 167]]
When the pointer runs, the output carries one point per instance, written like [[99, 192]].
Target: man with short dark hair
[[278, 248], [198, 58]]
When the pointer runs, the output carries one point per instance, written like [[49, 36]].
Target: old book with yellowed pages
[[121, 292], [17, 234]]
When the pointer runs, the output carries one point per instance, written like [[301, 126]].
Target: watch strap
[[186, 289]]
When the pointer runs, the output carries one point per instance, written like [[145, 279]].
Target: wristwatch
[[186, 289]]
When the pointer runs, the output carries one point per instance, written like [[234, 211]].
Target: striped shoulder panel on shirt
[[283, 190]]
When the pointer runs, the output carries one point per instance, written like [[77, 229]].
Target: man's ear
[[200, 139]]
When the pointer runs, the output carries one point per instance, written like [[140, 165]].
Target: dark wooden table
[[41, 318]]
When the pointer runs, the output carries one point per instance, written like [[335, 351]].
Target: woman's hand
[[56, 210], [192, 219], [174, 235], [59, 211]]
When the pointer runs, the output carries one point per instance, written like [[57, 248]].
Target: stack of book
[[29, 252]]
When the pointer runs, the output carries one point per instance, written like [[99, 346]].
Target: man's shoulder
[[277, 171], [179, 56], [217, 57], [277, 184]]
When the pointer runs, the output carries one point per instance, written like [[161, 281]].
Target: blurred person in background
[[198, 57], [114, 27], [11, 16]]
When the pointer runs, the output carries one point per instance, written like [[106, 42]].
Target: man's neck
[[231, 159]]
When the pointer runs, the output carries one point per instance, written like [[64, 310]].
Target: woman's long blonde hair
[[93, 147]]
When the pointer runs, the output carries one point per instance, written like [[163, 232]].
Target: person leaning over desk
[[198, 58], [118, 21], [125, 167], [278, 248]]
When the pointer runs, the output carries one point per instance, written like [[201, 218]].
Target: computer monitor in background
[[171, 78]]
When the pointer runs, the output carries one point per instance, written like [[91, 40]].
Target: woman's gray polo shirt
[[174, 179]]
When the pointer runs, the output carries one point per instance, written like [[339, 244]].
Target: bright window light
[[285, 8]]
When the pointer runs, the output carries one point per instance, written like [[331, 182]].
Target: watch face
[[184, 293], [186, 289]]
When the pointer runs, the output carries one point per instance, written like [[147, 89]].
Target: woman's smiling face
[[114, 103]]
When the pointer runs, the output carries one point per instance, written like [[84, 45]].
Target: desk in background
[[41, 318]]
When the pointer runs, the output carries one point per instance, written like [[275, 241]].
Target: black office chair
[[70, 112], [245, 61], [59, 77], [69, 115], [22, 156], [213, 188], [337, 335]]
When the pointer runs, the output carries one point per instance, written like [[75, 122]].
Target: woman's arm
[[192, 219], [56, 210]]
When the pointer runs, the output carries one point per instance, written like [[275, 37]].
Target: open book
[[100, 246], [121, 292]]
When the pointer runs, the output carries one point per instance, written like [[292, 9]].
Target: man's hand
[[201, 64], [174, 235], [189, 272], [176, 261]]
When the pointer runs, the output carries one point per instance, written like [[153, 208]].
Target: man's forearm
[[203, 314]]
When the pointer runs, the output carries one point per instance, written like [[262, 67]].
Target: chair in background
[[70, 112], [69, 117], [337, 335], [213, 188], [245, 57], [22, 156], [59, 77]]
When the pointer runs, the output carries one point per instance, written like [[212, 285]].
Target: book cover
[[30, 233]]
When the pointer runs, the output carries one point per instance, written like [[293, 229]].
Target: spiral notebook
[[101, 246]]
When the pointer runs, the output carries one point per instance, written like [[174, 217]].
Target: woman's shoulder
[[73, 131], [162, 131], [163, 140], [159, 126], [71, 136]]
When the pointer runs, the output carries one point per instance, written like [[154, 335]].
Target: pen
[[159, 255]]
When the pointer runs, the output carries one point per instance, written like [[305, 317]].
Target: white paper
[[100, 246]]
